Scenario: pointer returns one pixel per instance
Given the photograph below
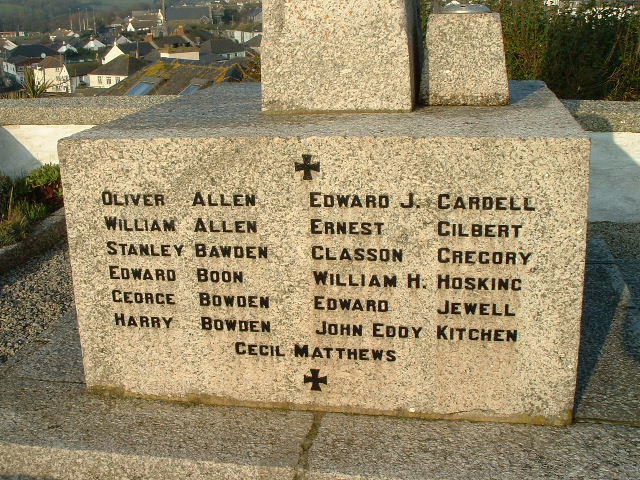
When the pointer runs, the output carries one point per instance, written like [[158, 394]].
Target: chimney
[[179, 30]]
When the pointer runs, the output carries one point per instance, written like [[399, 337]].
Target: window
[[190, 89], [195, 84], [142, 88], [108, 80], [100, 80]]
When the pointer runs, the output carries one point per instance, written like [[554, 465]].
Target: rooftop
[[124, 65]]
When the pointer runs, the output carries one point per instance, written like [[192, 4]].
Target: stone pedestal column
[[464, 61]]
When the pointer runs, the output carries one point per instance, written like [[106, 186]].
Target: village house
[[224, 47], [254, 44], [6, 44], [143, 20], [199, 14], [24, 56], [255, 15], [61, 33], [52, 71], [79, 73], [141, 50], [94, 45], [63, 47], [175, 77], [8, 69], [118, 69], [240, 36]]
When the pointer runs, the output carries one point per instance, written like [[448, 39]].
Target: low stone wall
[[602, 116], [30, 128], [74, 110], [27, 147]]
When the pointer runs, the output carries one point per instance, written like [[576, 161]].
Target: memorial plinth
[[424, 264]]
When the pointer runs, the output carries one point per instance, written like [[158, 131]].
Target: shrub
[[46, 186], [25, 201], [10, 192], [44, 175], [593, 53], [31, 211], [13, 229]]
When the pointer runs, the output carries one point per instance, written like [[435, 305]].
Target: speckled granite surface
[[73, 110], [234, 111], [464, 61], [211, 142], [599, 116], [603, 116], [329, 56]]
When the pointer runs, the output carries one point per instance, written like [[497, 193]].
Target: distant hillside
[[43, 15]]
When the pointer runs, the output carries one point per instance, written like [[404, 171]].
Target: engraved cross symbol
[[307, 166], [315, 379]]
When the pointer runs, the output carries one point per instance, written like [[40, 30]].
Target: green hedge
[[593, 53]]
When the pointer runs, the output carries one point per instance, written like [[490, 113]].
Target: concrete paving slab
[[609, 372], [622, 239], [56, 430], [354, 448], [55, 356], [614, 192]]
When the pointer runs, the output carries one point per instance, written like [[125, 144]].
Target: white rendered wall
[[26, 147]]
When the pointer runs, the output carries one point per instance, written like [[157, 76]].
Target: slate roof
[[257, 12], [18, 59], [21, 61], [145, 16], [143, 48], [176, 75], [51, 62], [31, 51], [110, 39], [61, 32], [143, 24], [187, 13], [78, 69], [221, 46], [173, 41], [201, 34], [254, 42], [123, 66], [209, 58]]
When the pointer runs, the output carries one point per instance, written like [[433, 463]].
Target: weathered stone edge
[[74, 110], [46, 234], [65, 463], [593, 115], [604, 116]]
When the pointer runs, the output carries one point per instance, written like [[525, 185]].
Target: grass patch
[[27, 200]]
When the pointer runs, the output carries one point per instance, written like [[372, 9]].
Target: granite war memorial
[[326, 244]]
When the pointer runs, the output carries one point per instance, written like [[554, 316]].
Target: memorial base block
[[427, 264], [464, 61]]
